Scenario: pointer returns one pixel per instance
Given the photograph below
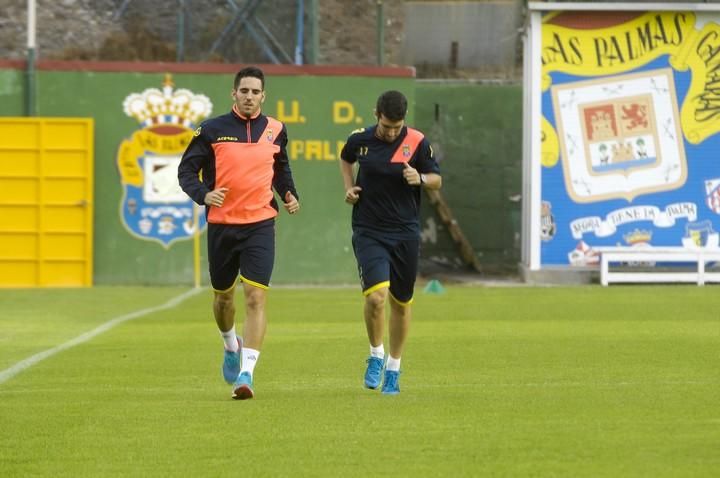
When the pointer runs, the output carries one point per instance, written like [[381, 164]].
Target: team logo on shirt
[[269, 135], [153, 206], [406, 150]]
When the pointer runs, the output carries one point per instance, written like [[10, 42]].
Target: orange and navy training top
[[388, 205], [247, 156]]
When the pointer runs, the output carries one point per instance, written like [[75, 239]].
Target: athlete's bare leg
[[375, 316], [224, 309], [255, 321], [400, 316]]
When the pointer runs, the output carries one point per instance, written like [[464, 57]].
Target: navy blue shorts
[[387, 262], [247, 250]]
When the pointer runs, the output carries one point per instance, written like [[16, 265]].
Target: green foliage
[[579, 381]]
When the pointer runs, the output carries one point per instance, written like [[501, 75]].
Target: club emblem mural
[[153, 207], [629, 124]]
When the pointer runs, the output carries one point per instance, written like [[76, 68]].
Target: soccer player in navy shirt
[[394, 163]]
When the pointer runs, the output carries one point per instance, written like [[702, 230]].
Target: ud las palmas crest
[[153, 206], [620, 136]]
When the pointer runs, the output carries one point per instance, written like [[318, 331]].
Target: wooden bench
[[698, 257]]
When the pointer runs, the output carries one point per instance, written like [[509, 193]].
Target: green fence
[[476, 130]]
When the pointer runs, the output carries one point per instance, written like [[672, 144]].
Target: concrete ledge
[[559, 275]]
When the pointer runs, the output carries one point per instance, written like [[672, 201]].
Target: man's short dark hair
[[250, 71], [392, 104]]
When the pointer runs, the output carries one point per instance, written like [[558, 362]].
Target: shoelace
[[232, 357], [391, 380], [374, 366]]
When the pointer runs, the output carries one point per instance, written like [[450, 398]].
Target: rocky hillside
[[148, 30]]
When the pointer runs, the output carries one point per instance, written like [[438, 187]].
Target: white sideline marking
[[9, 373]]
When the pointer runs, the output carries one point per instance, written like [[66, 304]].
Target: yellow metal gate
[[46, 202]]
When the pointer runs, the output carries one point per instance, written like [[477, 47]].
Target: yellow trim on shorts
[[377, 286], [404, 304], [253, 283], [228, 289]]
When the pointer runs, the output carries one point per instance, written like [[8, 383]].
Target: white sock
[[249, 359], [378, 351], [393, 364], [230, 339]]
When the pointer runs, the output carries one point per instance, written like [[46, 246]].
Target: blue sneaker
[[242, 388], [390, 384], [373, 372], [231, 364]]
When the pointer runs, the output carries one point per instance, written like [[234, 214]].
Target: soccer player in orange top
[[394, 162], [242, 156]]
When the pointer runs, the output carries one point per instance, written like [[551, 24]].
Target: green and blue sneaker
[[231, 363], [242, 388], [391, 385], [373, 372]]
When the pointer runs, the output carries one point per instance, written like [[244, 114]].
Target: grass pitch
[[577, 381]]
